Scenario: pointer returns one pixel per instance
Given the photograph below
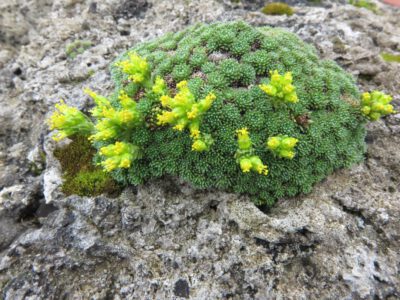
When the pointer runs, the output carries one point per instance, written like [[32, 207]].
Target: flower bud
[[245, 165]]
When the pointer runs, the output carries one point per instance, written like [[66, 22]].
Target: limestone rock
[[165, 240]]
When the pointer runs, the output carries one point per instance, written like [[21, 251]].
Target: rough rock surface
[[164, 240]]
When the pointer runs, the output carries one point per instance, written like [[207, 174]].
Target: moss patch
[[81, 177], [365, 4], [77, 47], [388, 57], [277, 8]]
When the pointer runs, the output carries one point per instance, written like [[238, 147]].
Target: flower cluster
[[112, 121], [244, 155], [135, 67], [119, 155], [69, 121], [376, 104], [280, 87], [282, 145], [159, 87], [185, 112]]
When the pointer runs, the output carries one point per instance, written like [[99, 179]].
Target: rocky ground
[[165, 240]]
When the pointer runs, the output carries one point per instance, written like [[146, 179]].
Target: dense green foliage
[[231, 60], [227, 106]]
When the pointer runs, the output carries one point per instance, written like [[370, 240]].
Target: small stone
[[181, 288]]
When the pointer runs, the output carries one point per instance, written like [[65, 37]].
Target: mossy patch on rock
[[81, 176], [77, 47], [388, 57], [277, 8], [365, 4]]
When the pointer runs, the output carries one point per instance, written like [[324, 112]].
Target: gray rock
[[165, 240]]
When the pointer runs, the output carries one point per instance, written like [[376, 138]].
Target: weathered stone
[[165, 240]]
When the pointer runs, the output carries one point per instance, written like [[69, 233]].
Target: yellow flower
[[288, 88], [211, 97], [126, 116], [57, 120], [366, 110], [243, 132], [159, 86], [124, 65], [69, 121], [195, 133], [386, 99], [377, 107], [286, 154], [275, 76], [181, 99], [289, 143], [184, 111], [136, 78], [166, 117], [108, 112], [268, 89], [107, 151], [244, 140], [208, 101], [258, 166], [262, 169], [199, 146], [125, 100], [280, 87], [245, 165], [288, 76], [135, 67], [179, 127], [119, 148], [388, 109], [110, 164], [273, 142], [366, 97], [119, 155], [182, 84], [193, 113], [282, 145], [103, 135], [125, 163], [292, 98], [376, 104], [165, 100]]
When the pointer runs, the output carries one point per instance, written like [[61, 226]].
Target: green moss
[[388, 57], [77, 47], [277, 8], [81, 176], [364, 4]]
